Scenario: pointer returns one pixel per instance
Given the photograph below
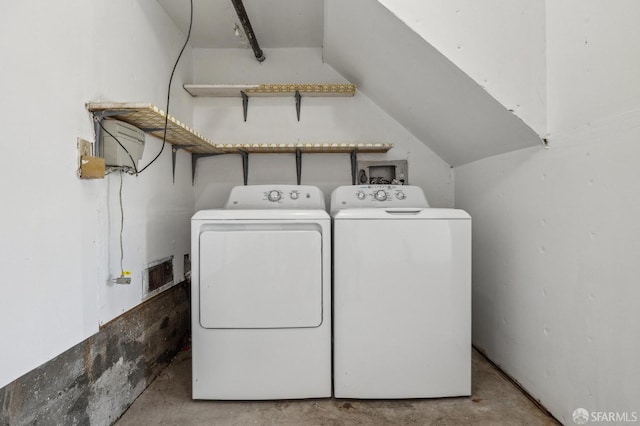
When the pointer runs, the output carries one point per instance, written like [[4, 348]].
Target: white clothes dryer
[[261, 295], [402, 295]]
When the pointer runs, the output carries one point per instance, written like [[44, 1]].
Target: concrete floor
[[495, 401]]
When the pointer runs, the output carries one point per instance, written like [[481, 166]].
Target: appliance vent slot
[[158, 276]]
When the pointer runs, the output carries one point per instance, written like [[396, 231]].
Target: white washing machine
[[402, 295], [261, 295]]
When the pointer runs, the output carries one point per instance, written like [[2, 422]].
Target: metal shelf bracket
[[298, 103], [245, 104], [245, 166], [98, 116], [194, 161], [354, 166], [174, 152], [298, 165]]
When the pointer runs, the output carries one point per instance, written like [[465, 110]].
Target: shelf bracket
[[354, 166], [245, 104], [245, 166], [194, 161], [298, 165], [98, 116], [298, 103], [174, 153], [97, 130]]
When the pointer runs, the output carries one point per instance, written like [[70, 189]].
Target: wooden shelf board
[[151, 119], [328, 148], [305, 89]]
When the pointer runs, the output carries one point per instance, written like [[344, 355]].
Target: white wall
[[340, 120], [593, 61], [556, 244], [59, 233], [498, 43]]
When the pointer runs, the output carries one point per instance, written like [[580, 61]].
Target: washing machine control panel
[[377, 196], [381, 193]]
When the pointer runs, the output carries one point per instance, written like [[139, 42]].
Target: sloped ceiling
[[418, 86], [395, 67]]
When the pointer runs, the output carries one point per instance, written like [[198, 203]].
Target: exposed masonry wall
[[95, 381]]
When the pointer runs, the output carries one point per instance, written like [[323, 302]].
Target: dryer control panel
[[377, 196], [276, 197]]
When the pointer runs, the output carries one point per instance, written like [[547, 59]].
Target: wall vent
[[157, 277]]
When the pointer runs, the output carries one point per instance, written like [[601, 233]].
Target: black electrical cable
[[135, 169], [166, 117]]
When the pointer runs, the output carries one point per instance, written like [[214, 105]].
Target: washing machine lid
[[266, 214], [401, 213]]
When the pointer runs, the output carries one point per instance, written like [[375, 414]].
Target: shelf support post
[[354, 166], [298, 165], [298, 103], [245, 104], [245, 166]]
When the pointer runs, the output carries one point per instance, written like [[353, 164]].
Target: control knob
[[294, 195], [401, 195], [380, 195], [274, 195], [361, 195]]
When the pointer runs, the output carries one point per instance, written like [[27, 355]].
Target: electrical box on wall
[[129, 136], [392, 172], [89, 167]]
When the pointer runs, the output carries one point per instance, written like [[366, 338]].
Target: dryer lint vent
[[158, 276]]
